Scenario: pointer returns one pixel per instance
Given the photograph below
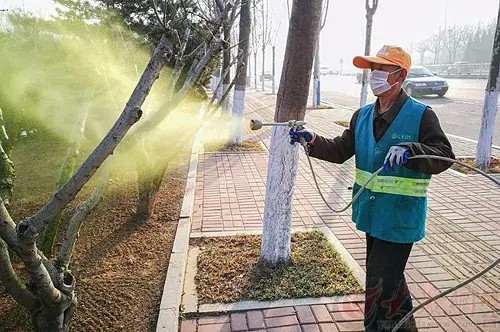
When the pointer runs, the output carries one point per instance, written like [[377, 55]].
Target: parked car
[[267, 77], [420, 81]]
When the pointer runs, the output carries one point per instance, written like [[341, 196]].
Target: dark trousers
[[387, 297]]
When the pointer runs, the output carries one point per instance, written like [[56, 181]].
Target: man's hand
[[397, 155], [307, 134]]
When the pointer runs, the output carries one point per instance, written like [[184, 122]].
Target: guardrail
[[461, 70]]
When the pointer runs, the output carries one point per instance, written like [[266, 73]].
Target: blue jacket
[[393, 206]]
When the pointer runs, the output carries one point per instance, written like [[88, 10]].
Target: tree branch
[[31, 226], [11, 282], [224, 74], [81, 212], [326, 14], [160, 21], [7, 172], [8, 229], [220, 5]]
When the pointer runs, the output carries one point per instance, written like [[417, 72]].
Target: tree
[[292, 97], [50, 296], [483, 154], [241, 80], [267, 31], [435, 43], [370, 11], [422, 47], [454, 41], [316, 97]]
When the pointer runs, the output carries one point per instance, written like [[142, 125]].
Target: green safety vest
[[393, 206]]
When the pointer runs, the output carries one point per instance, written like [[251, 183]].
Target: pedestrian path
[[463, 233]]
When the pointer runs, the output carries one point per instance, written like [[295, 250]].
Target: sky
[[396, 22]]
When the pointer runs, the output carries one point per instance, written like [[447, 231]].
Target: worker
[[392, 209]]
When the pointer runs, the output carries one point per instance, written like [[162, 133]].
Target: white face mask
[[378, 81]]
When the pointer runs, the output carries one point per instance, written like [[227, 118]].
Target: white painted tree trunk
[[364, 89], [483, 154], [370, 11], [263, 66], [226, 104], [237, 117], [293, 93], [316, 96], [274, 70], [281, 174]]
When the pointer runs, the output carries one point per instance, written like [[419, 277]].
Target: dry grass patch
[[224, 146], [494, 166], [229, 271]]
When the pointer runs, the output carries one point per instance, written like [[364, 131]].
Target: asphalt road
[[459, 111]]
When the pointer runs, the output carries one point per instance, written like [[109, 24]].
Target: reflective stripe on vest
[[393, 184]]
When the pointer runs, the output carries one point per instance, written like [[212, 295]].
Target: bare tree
[[291, 104], [435, 43], [241, 81], [422, 47], [454, 40], [267, 32], [483, 154], [370, 11], [316, 97], [255, 40]]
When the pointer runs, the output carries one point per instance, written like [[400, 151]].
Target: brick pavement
[[463, 233]]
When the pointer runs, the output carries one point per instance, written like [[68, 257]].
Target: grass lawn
[[119, 265], [228, 270]]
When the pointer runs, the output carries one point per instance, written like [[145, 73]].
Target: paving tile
[[213, 320], [342, 307], [342, 316], [354, 326], [465, 323], [215, 328], [305, 314], [474, 308], [188, 325], [255, 319], [279, 312], [281, 321], [294, 328], [321, 313], [239, 322], [310, 328], [448, 324], [485, 317], [328, 327]]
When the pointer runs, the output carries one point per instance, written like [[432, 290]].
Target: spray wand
[[298, 125]]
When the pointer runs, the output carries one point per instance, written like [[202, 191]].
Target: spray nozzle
[[257, 124]]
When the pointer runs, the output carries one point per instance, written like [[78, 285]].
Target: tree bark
[[150, 175], [262, 79], [240, 79], [485, 141], [292, 98], [255, 69], [274, 70], [226, 64], [370, 11], [7, 171], [316, 97]]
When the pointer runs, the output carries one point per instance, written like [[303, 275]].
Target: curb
[[168, 317], [190, 300]]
